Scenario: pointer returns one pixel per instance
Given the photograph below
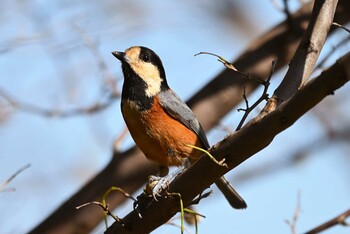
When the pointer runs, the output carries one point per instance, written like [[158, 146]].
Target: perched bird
[[160, 123]]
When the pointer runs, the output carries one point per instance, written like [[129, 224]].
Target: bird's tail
[[235, 200]]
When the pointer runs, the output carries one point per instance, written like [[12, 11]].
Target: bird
[[160, 123]]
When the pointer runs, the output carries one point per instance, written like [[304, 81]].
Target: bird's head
[[144, 63]]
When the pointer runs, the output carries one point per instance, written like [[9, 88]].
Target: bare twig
[[292, 224], [223, 61], [6, 182], [29, 108], [230, 66], [341, 26], [104, 207], [286, 9], [114, 189], [282, 8], [245, 101], [289, 16], [264, 96], [339, 220], [200, 197]]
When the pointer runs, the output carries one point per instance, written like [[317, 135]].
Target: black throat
[[134, 89]]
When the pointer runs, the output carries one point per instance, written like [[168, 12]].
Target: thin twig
[[264, 96], [230, 66], [200, 197], [339, 220], [245, 100], [111, 189], [266, 84], [223, 61], [286, 9], [29, 108], [104, 207], [6, 182], [289, 16], [292, 224], [341, 26]]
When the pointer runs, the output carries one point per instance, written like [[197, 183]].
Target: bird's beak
[[121, 56]]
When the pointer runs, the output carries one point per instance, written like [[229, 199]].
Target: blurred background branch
[[339, 220], [6, 182]]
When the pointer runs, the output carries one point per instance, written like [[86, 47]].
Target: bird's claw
[[156, 185]]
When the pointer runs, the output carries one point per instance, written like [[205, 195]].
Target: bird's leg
[[155, 186], [158, 184]]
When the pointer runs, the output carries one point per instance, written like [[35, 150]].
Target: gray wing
[[180, 111]]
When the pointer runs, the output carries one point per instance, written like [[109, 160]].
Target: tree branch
[[340, 219], [302, 64], [33, 109]]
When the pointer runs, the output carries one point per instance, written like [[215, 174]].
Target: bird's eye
[[146, 58]]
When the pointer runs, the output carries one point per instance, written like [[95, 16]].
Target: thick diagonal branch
[[302, 64]]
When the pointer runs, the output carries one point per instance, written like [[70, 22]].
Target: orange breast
[[160, 137]]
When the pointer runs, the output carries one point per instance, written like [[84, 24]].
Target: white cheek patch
[[147, 71], [150, 74]]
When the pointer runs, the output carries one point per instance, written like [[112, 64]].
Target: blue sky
[[47, 63]]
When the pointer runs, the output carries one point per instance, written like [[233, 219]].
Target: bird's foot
[[157, 186]]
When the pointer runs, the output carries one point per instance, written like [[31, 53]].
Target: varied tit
[[160, 123]]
